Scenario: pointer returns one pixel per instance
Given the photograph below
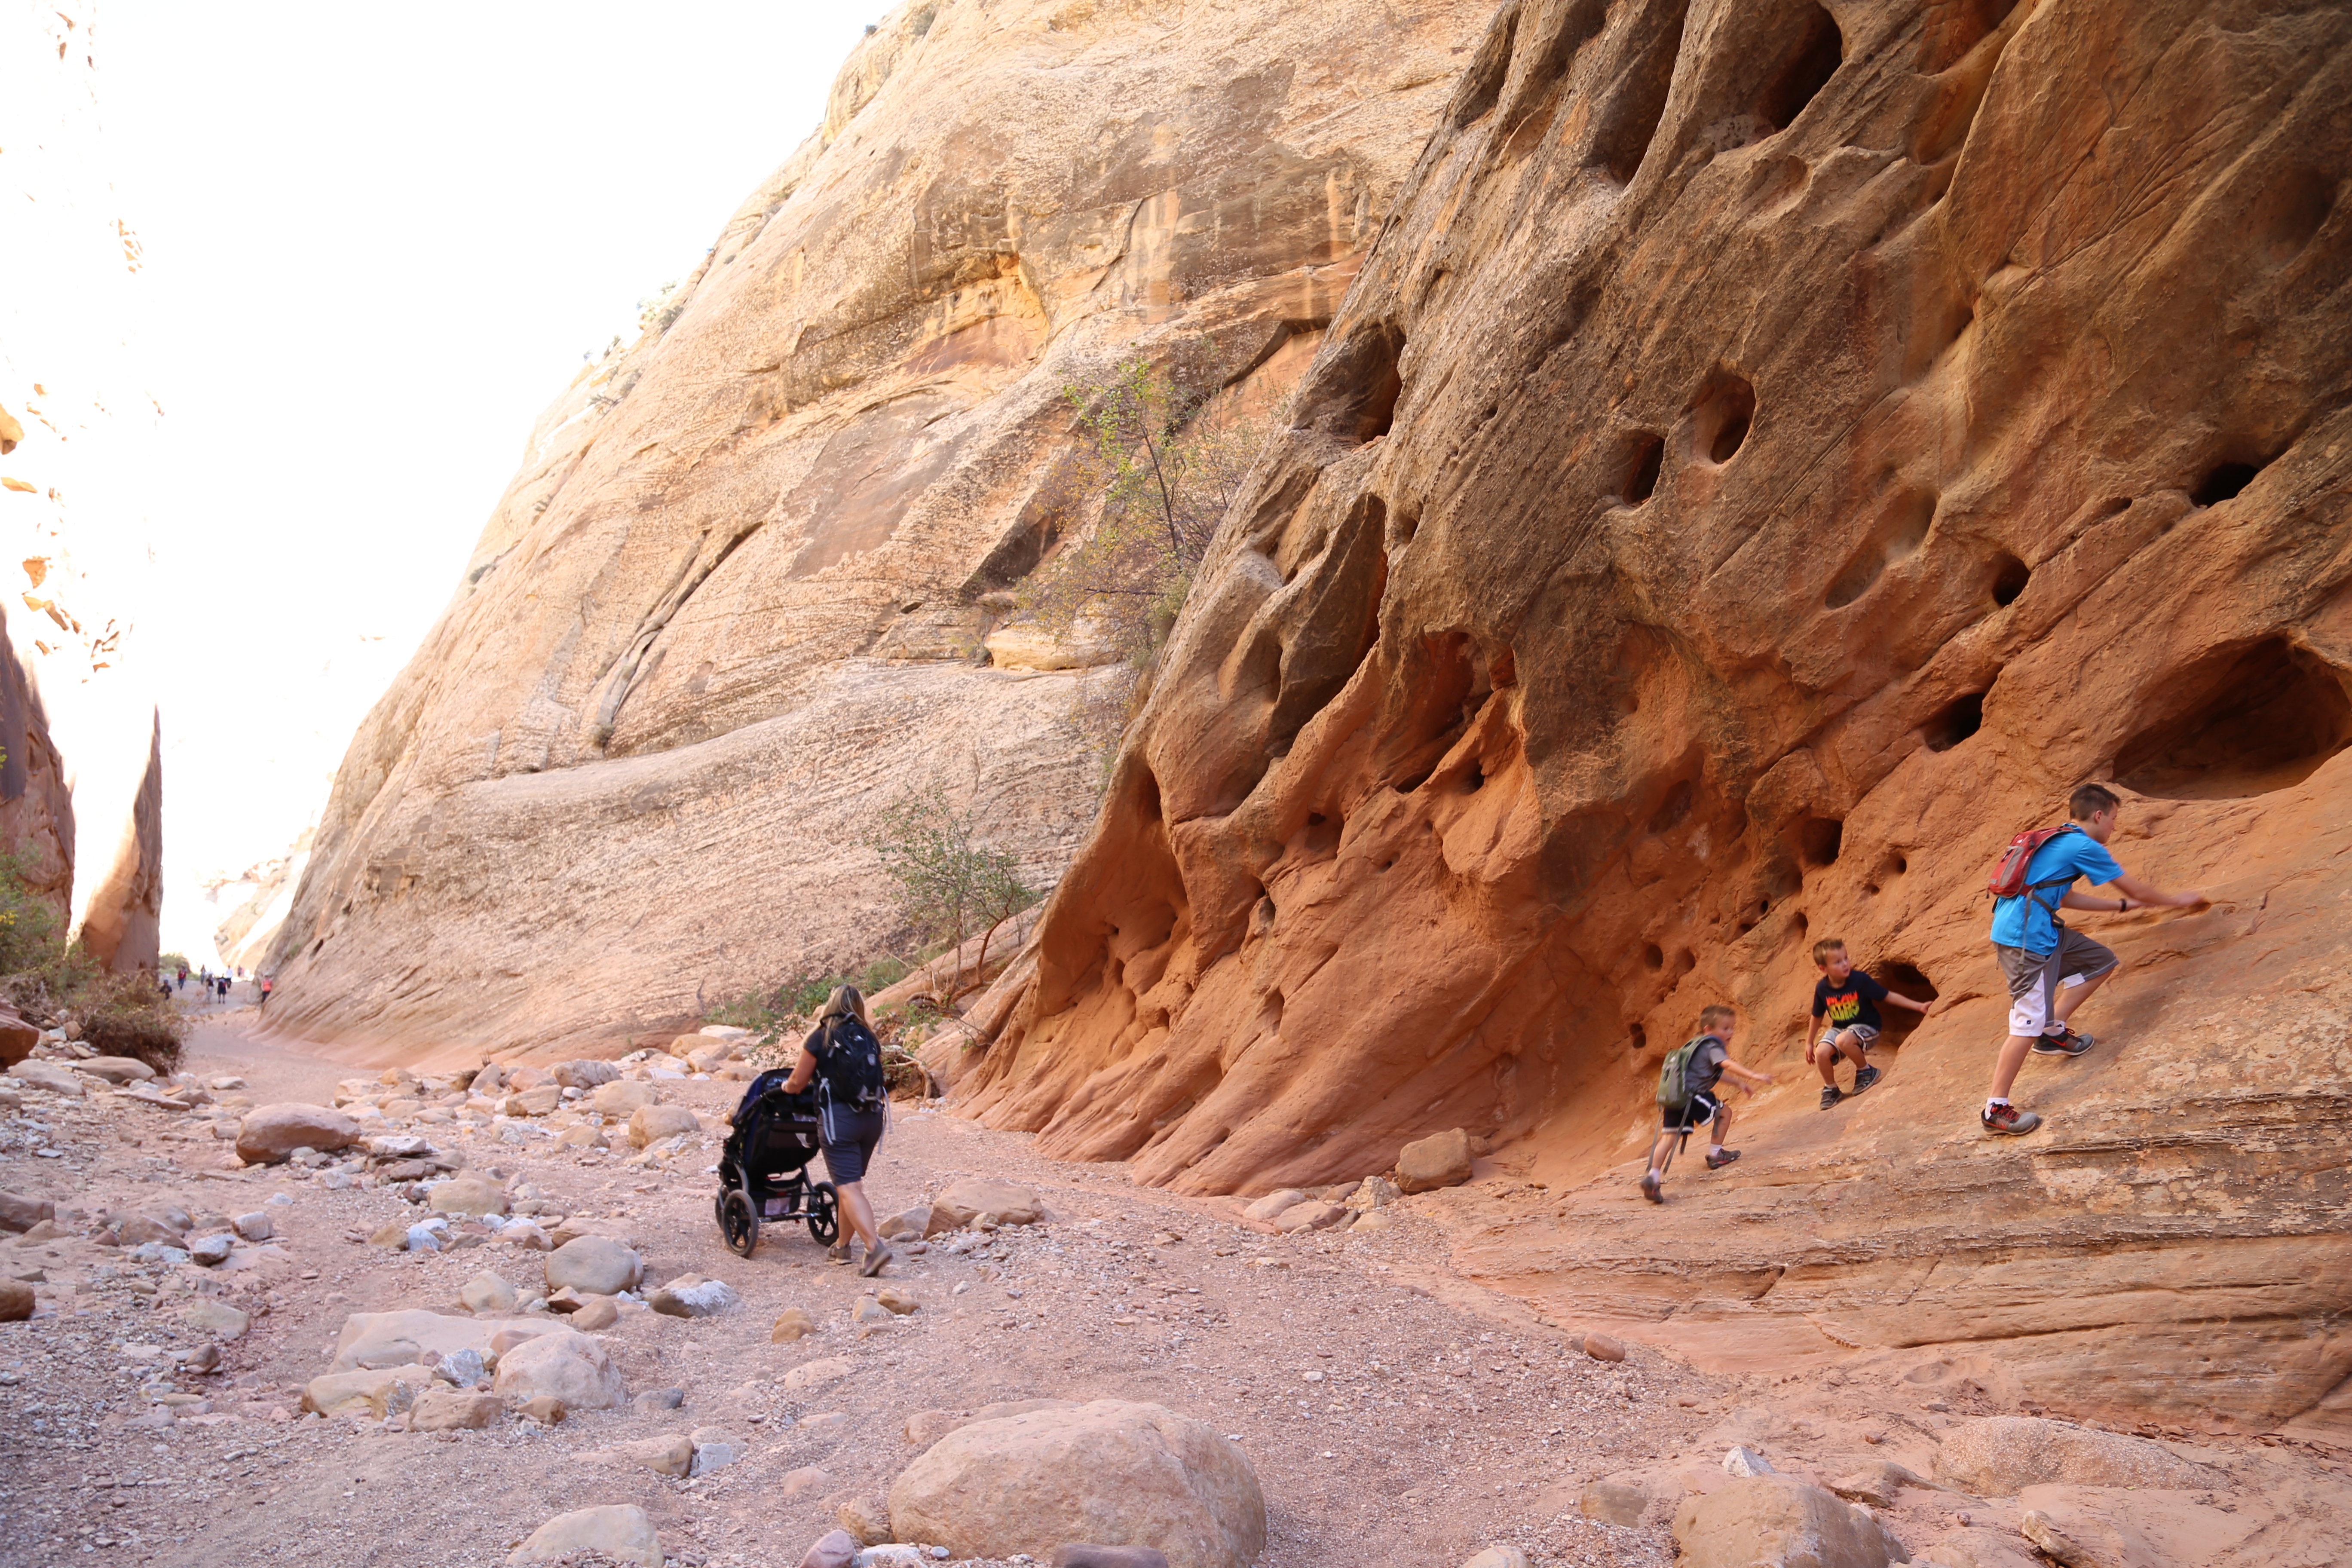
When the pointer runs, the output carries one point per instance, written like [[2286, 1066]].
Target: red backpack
[[2009, 878]]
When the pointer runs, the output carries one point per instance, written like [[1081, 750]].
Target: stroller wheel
[[823, 1214], [738, 1223]]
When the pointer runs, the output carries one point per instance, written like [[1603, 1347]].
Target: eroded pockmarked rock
[[1112, 1471]]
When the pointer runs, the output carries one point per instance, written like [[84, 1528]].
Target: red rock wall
[[1771, 454], [36, 819]]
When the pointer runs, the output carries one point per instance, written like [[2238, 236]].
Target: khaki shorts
[[1864, 1035], [2034, 977]]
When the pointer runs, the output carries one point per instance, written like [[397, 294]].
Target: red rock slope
[[1771, 454]]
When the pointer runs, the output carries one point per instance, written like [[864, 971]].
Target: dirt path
[[1394, 1413]]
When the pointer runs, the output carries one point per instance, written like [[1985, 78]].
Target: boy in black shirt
[[1848, 999]]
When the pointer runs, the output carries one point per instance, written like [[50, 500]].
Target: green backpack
[[1673, 1092]]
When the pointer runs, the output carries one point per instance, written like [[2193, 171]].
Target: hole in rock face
[[1640, 1038], [1636, 101], [2008, 579], [1956, 26], [1653, 955], [1720, 416], [1812, 59], [2247, 721], [1353, 395], [2291, 213], [1819, 839], [1903, 980], [1642, 467], [2225, 482], [1482, 82], [1673, 808], [1957, 720], [1475, 780]]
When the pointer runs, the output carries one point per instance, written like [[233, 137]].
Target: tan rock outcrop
[[1771, 456], [732, 602]]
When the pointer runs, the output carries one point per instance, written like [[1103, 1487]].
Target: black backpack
[[849, 1063]]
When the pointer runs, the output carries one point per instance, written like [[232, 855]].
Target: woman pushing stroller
[[846, 1059]]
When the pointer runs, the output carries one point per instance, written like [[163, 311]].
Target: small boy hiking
[[1848, 999], [2039, 956], [1687, 1096]]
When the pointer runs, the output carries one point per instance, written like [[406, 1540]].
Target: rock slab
[[1113, 1472], [620, 1532], [271, 1132], [1777, 1520]]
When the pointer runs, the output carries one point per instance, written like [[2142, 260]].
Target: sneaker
[[2066, 1043], [1830, 1095], [875, 1259], [1865, 1078], [837, 1253], [1717, 1162], [2007, 1121], [1650, 1188]]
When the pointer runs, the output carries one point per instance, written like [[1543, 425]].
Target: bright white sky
[[378, 240]]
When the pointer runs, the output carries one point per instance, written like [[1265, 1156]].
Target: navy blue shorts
[[850, 1137]]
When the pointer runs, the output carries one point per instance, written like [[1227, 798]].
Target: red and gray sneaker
[[2064, 1043], [1717, 1162], [2007, 1121]]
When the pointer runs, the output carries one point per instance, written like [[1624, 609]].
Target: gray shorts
[[2034, 977], [1865, 1035]]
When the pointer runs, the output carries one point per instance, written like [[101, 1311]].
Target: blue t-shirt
[[2024, 921]]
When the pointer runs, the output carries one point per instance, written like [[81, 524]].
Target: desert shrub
[[127, 1015], [950, 885], [51, 982]]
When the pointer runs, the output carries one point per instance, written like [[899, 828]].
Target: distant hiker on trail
[[1686, 1083], [265, 990], [2039, 955], [845, 1059], [1848, 999]]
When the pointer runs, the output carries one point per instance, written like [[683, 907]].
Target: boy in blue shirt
[[2039, 955]]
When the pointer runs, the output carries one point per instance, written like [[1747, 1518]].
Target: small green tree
[[1166, 448], [950, 883]]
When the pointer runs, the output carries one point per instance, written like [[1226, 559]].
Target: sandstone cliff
[[1772, 453], [36, 822], [732, 600]]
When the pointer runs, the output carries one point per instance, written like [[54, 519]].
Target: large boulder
[[1441, 1159], [975, 1196], [1112, 1472], [17, 1039], [569, 1367], [116, 1069], [593, 1266], [624, 1097], [585, 1074], [620, 1532], [271, 1132], [20, 1213], [48, 1075], [373, 1392], [1782, 1521], [652, 1123], [466, 1196], [2000, 1455], [387, 1339]]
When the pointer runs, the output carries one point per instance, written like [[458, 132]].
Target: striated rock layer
[[733, 600], [1773, 453]]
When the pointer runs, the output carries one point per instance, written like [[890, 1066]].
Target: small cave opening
[[2223, 483], [1641, 1038], [1814, 55], [1353, 393], [2010, 576], [1905, 979], [2248, 721], [1954, 722], [1649, 451], [1652, 955], [1819, 839], [1720, 417]]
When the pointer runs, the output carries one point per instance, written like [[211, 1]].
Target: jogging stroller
[[763, 1171]]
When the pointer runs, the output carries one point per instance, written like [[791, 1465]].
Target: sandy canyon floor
[[1395, 1413]]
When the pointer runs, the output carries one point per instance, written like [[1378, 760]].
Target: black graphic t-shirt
[[1855, 1002]]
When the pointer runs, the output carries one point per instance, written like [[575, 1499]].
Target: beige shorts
[[2034, 977]]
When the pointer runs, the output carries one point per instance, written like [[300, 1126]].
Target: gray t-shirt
[[1703, 1069]]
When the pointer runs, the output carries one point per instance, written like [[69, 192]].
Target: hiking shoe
[[1651, 1189], [1830, 1095], [880, 1255], [1865, 1078], [2007, 1121], [2066, 1043], [837, 1253], [1717, 1162]]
